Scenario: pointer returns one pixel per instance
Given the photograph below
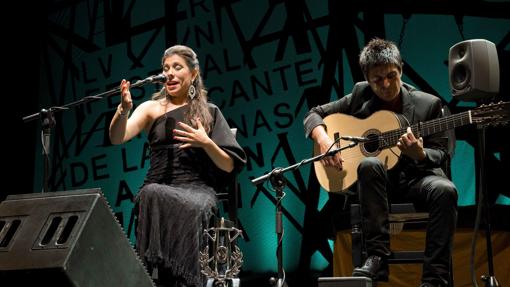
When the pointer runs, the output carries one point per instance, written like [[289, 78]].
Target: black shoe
[[374, 268], [427, 284]]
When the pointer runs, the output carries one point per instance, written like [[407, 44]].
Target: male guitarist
[[417, 176]]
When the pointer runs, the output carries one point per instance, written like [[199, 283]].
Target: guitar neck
[[390, 138]]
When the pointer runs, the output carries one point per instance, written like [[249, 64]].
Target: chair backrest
[[445, 111], [230, 196]]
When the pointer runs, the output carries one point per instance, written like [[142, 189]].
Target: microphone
[[355, 139], [160, 78]]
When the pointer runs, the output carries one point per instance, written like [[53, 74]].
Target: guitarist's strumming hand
[[411, 146], [324, 142]]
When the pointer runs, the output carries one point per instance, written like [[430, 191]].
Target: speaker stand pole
[[490, 280]]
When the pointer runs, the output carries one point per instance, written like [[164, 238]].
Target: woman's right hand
[[126, 102]]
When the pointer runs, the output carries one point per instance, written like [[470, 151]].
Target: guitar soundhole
[[371, 146]]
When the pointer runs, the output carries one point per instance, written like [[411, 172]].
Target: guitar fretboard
[[390, 138]]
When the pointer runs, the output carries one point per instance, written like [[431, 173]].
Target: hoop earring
[[192, 91]]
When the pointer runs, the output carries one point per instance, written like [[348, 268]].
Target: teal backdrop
[[265, 63]]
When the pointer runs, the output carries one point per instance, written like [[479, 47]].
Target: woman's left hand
[[192, 137]]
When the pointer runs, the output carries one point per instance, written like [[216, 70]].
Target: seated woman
[[193, 152]]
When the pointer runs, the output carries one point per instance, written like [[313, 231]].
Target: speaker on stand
[[68, 238], [474, 76], [473, 70]]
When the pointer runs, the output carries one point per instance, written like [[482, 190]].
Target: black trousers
[[432, 193]]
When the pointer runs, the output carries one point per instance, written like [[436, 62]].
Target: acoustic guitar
[[383, 129]]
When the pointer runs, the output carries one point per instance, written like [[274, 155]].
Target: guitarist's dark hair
[[379, 52]]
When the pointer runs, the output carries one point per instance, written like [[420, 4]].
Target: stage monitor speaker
[[345, 282], [67, 238], [473, 69]]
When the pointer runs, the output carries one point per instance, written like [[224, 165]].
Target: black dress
[[178, 198]]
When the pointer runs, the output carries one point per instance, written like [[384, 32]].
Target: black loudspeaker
[[345, 282], [473, 69], [68, 238]]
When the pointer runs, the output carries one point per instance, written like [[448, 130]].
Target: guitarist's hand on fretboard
[[411, 146]]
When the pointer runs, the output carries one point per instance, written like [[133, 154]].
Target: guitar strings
[[389, 139]]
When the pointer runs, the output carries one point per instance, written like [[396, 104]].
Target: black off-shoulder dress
[[178, 198]]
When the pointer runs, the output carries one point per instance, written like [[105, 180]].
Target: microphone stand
[[278, 183], [48, 121]]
